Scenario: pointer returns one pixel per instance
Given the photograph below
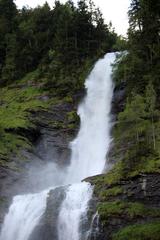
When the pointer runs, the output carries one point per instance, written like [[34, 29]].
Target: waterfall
[[24, 214], [72, 210], [90, 147], [89, 150]]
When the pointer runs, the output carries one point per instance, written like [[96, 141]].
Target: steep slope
[[127, 201]]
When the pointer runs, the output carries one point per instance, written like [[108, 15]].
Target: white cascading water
[[72, 210], [90, 147], [23, 216], [88, 158]]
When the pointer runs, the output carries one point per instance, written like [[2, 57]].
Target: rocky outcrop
[[129, 202], [47, 227], [118, 101], [118, 104]]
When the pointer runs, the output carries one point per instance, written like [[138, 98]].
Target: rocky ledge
[[125, 206]]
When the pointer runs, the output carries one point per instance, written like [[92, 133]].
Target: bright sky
[[113, 10]]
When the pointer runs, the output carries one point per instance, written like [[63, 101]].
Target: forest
[[139, 71], [47, 38]]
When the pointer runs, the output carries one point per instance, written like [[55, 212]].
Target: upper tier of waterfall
[[91, 145]]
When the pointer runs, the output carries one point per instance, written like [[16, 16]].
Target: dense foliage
[[138, 125], [55, 39]]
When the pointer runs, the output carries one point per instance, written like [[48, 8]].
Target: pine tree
[[151, 109]]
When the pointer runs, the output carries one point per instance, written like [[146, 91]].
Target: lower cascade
[[89, 150], [24, 214], [73, 209]]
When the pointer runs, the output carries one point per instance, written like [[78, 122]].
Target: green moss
[[17, 103], [115, 174], [57, 124], [30, 77], [112, 177], [11, 143], [148, 231], [114, 191], [108, 209], [68, 99], [72, 117], [146, 165], [71, 126], [120, 172], [129, 209], [54, 101]]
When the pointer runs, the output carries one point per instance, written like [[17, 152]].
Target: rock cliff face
[[55, 128], [129, 202]]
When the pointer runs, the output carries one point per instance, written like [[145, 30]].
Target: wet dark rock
[[47, 227], [118, 104], [143, 189], [118, 101], [32, 134]]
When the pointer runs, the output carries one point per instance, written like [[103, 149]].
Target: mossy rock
[[72, 117], [148, 231], [111, 192], [130, 210]]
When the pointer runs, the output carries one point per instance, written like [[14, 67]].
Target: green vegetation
[[137, 129], [120, 171], [15, 111], [128, 209], [31, 38], [16, 104], [112, 177], [111, 192], [148, 231], [72, 117]]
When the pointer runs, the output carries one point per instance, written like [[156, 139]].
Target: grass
[[16, 105], [129, 209], [111, 192], [146, 165], [119, 172], [148, 231], [11, 143], [114, 176]]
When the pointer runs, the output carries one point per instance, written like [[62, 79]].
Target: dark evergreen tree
[[8, 13]]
